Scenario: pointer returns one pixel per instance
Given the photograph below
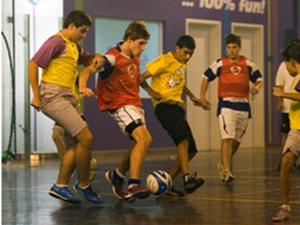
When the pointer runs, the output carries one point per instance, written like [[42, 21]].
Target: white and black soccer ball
[[159, 182]]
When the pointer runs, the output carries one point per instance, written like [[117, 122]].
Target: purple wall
[[172, 13]]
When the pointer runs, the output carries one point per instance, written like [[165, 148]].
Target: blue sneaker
[[64, 194], [88, 193]]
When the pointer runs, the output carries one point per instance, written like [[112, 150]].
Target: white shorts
[[128, 115], [233, 124], [292, 144]]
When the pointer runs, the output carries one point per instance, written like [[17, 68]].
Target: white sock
[[287, 207]]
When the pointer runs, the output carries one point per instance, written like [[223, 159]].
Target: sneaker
[[227, 177], [64, 194], [175, 193], [136, 192], [193, 183], [93, 164], [88, 193], [283, 214], [117, 186]]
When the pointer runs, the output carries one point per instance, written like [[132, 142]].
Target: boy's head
[[136, 30], [233, 39], [184, 49], [78, 18], [76, 25], [186, 41], [233, 46], [136, 37], [291, 56]]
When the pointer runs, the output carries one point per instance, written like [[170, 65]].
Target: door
[[253, 49], [204, 124]]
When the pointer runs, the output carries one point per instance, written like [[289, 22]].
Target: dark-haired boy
[[234, 72], [291, 149], [59, 57], [167, 85]]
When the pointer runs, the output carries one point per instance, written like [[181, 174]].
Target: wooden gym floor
[[252, 198]]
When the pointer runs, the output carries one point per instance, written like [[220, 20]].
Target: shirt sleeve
[[156, 66], [213, 71], [255, 74], [110, 61], [279, 81], [52, 48]]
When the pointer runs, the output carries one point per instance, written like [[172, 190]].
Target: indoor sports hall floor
[[252, 198]]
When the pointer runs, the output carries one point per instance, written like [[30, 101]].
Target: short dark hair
[[186, 41], [292, 51], [136, 29], [233, 39], [79, 18]]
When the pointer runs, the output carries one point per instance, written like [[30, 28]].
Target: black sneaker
[[175, 193], [193, 183]]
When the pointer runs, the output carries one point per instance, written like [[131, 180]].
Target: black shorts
[[285, 123], [172, 118]]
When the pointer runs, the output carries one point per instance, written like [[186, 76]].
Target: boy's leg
[[176, 168], [116, 177], [58, 138], [226, 145], [142, 141], [287, 163], [83, 156], [67, 167]]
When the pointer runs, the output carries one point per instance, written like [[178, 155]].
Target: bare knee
[[57, 133], [85, 137], [287, 160]]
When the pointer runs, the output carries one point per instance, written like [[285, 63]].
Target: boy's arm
[[280, 101], [256, 87], [143, 83], [278, 92], [192, 97], [33, 75], [204, 86], [84, 75]]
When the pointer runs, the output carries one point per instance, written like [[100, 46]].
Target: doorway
[[253, 48], [204, 124]]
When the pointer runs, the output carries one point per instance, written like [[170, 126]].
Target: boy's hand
[[86, 92]]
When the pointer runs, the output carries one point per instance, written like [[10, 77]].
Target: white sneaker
[[283, 214]]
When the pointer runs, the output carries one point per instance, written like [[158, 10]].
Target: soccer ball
[[159, 182]]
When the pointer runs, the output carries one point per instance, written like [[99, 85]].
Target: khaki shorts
[[60, 105], [292, 144], [233, 124]]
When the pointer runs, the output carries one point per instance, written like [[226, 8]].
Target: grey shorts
[[59, 104]]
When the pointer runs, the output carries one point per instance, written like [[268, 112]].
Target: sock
[[61, 185], [133, 182], [186, 177], [287, 207], [118, 176]]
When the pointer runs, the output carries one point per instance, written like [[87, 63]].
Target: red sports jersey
[[121, 87], [234, 79]]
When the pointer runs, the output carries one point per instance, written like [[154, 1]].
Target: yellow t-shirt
[[168, 78], [295, 109], [63, 70]]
